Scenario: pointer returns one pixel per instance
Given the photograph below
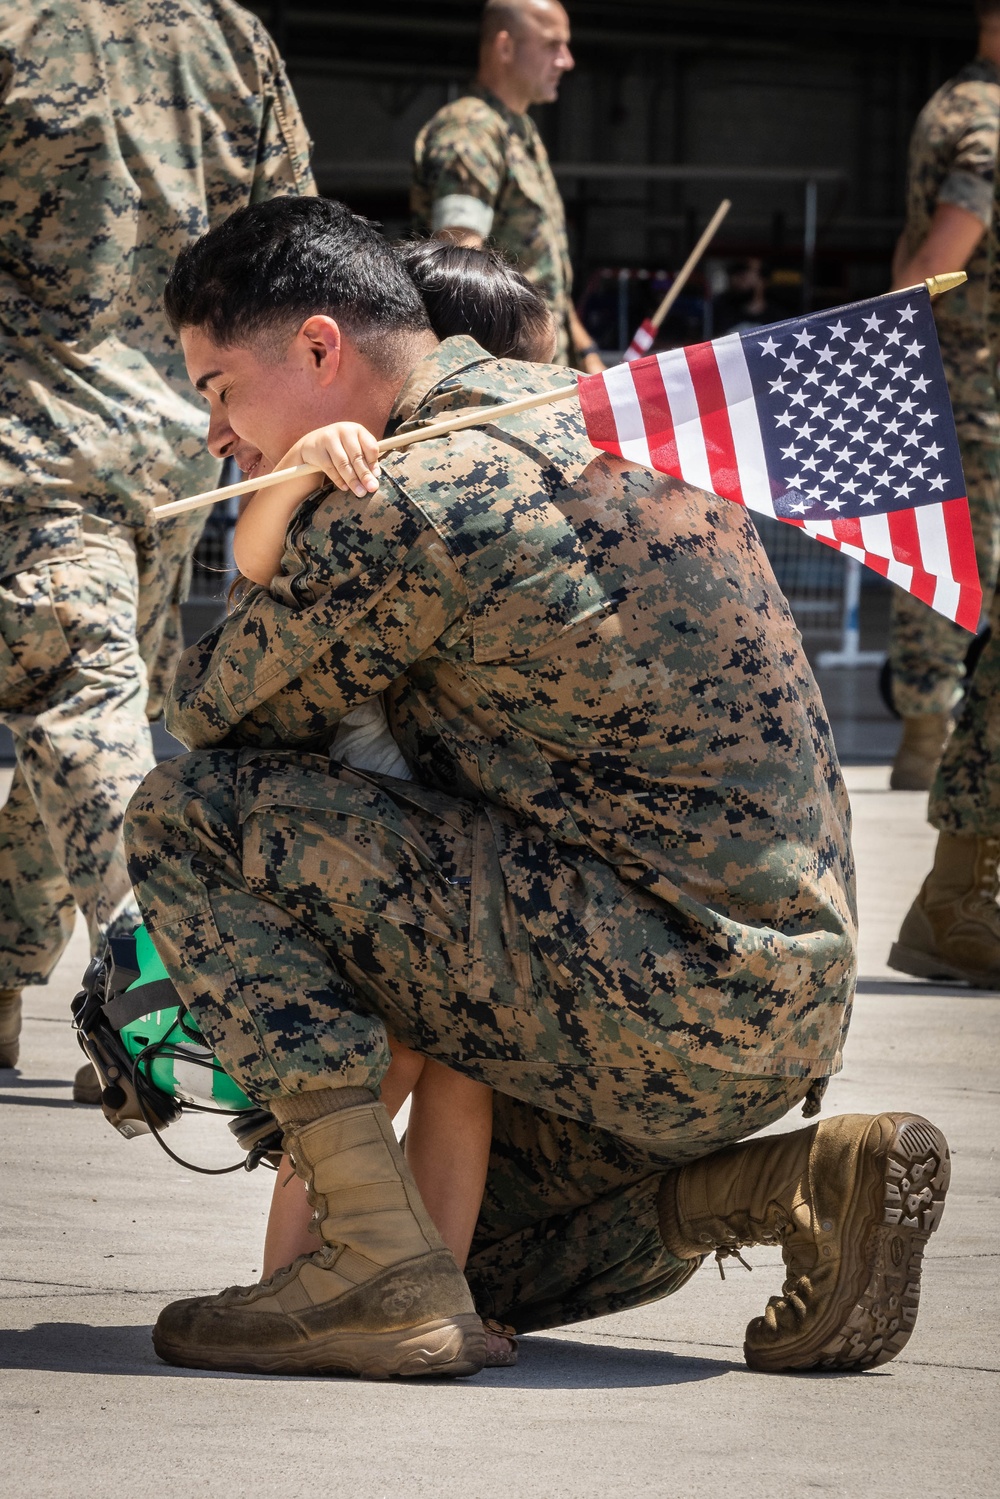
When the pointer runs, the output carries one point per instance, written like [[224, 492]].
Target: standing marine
[[481, 173], [952, 929], [952, 165], [126, 131]]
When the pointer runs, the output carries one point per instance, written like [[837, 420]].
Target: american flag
[[839, 423]]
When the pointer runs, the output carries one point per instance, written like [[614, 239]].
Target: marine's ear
[[320, 345]]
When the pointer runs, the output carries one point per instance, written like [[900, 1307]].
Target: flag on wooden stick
[[838, 423], [645, 335], [642, 340]]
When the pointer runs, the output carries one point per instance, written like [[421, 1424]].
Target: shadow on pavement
[[42, 1103], [551, 1363], [546, 1363], [923, 989], [17, 1081]]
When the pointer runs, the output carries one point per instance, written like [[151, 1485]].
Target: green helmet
[[174, 1055]]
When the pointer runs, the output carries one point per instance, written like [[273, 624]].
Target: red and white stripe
[[691, 413], [929, 551], [642, 340]]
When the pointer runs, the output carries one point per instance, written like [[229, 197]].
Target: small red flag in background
[[839, 423], [642, 340]]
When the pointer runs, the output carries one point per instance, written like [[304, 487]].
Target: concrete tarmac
[[97, 1233]]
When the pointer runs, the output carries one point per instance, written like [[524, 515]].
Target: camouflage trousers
[[965, 796], [305, 911], [87, 621], [927, 651]]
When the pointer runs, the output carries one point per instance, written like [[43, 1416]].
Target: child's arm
[[348, 455]]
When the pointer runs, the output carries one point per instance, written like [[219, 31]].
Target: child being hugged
[[472, 292]]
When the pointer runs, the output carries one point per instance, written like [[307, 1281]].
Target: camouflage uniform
[[952, 160], [620, 889], [477, 165], [126, 131], [965, 796]]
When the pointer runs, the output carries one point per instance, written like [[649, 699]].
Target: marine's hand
[[345, 451]]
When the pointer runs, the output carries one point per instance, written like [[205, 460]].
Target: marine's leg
[[165, 582], [86, 746], [394, 889], [952, 930], [37, 910], [576, 1225], [82, 739], [965, 797], [383, 1295], [926, 650], [262, 986], [570, 1224]]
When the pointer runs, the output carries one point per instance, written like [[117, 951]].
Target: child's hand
[[346, 452]]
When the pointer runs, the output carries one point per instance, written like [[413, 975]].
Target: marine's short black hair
[[479, 293], [270, 266]]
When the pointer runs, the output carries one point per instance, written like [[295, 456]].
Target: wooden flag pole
[[478, 418], [677, 285], [482, 416]]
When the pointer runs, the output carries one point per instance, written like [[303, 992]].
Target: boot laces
[[731, 1249], [727, 1252]]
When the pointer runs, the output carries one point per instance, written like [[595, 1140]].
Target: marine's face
[[257, 407], [541, 52]]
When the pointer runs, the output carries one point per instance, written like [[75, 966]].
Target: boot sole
[[916, 1170], [451, 1347], [926, 966]]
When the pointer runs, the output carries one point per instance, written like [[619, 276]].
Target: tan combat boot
[[952, 930], [382, 1297], [920, 749], [852, 1202], [10, 1027]]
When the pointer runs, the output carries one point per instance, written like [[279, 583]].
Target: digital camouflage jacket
[[601, 658], [127, 129]]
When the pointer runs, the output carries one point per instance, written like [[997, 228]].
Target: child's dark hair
[[479, 293]]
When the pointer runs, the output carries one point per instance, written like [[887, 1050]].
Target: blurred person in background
[[952, 929], [953, 154], [481, 172], [126, 131], [744, 303]]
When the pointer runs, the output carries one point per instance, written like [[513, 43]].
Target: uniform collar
[[981, 70], [523, 124], [451, 358]]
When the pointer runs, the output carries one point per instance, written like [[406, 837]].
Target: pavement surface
[[96, 1233]]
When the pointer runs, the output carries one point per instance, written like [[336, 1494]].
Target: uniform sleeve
[[284, 147], [969, 182], [364, 592], [462, 169]]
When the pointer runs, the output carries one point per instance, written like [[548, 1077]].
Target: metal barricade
[[823, 589]]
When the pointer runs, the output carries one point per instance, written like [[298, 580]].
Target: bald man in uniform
[[481, 171]]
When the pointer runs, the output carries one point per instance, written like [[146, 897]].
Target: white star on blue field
[[854, 410]]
